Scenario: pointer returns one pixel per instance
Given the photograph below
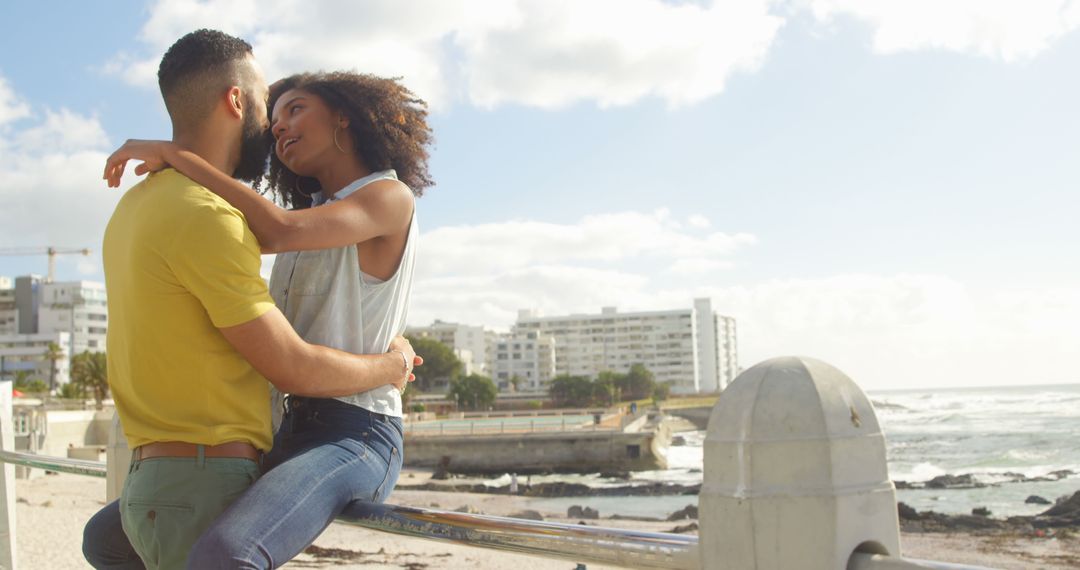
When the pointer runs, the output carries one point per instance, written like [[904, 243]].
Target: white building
[[717, 347], [34, 313], [528, 356], [9, 313], [469, 343], [78, 308], [693, 350], [728, 345], [26, 353]]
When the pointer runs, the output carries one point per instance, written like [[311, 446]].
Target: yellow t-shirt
[[180, 262]]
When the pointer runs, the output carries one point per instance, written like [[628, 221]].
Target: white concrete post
[[795, 472], [7, 481], [117, 460]]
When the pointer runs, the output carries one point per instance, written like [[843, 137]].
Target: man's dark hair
[[197, 69]]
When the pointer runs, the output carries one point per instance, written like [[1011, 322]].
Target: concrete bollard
[[117, 460], [7, 480], [795, 472]]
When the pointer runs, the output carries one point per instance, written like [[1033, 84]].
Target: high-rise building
[[728, 347], [34, 313], [717, 347], [9, 313], [523, 360], [78, 308], [693, 350]]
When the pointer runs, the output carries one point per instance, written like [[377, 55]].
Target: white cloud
[[883, 330], [89, 265], [11, 107], [597, 239], [494, 298], [698, 221], [910, 330], [61, 131], [131, 69], [553, 53], [545, 53], [615, 52], [53, 192], [698, 266], [485, 273], [1002, 29]]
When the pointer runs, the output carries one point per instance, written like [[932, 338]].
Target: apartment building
[[35, 306], [78, 308], [25, 353], [524, 361], [693, 350], [9, 314]]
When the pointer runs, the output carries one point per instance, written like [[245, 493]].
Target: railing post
[[795, 472], [117, 460], [8, 553]]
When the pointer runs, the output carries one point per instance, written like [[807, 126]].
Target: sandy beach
[[52, 510]]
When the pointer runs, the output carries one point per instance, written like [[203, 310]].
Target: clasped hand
[[412, 359], [152, 154]]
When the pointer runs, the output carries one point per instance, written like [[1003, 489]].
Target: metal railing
[[57, 464], [634, 549], [574, 542], [500, 427], [728, 545], [579, 543]]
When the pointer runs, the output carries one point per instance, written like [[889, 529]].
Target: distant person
[[341, 141]]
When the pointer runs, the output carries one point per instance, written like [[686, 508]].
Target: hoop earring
[[296, 186], [336, 143]]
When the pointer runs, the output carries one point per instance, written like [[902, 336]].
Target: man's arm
[[274, 349], [216, 258]]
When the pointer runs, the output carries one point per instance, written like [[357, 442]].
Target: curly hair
[[388, 124]]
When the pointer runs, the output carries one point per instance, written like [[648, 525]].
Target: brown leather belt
[[232, 449]]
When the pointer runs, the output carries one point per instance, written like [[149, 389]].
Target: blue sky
[[888, 186]]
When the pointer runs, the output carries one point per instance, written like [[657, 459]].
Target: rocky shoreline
[[1062, 519], [52, 511], [971, 480], [1063, 516], [561, 489]]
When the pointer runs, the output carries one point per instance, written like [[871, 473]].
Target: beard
[[254, 149]]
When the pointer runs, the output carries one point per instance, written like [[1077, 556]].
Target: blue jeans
[[105, 546], [326, 454]]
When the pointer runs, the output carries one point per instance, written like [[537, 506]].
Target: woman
[[355, 146]]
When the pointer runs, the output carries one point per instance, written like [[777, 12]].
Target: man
[[194, 334]]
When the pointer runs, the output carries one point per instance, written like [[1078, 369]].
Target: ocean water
[[986, 432]]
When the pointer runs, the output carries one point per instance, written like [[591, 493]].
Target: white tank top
[[330, 301]]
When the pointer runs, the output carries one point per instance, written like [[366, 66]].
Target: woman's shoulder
[[384, 190]]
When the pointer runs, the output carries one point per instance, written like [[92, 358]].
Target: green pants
[[167, 502]]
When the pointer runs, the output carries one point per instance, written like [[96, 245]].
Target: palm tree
[[90, 372], [53, 353], [516, 382], [22, 378]]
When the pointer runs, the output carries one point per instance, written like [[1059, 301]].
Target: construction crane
[[52, 252]]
